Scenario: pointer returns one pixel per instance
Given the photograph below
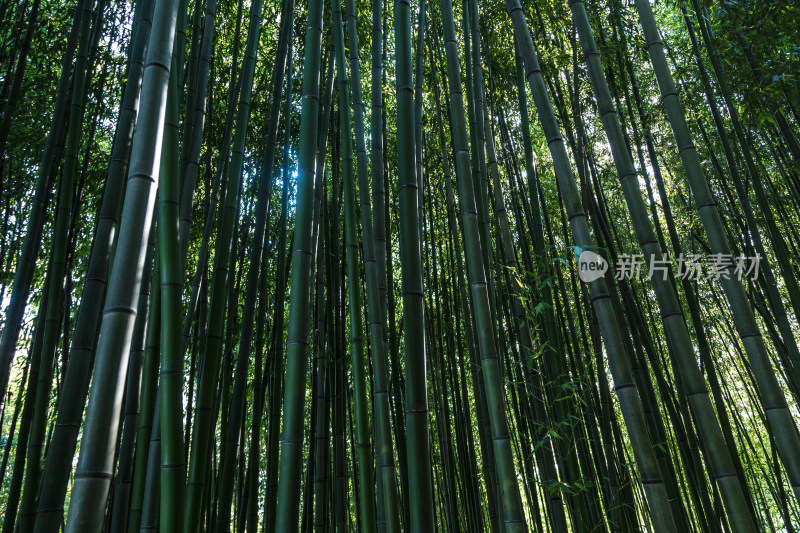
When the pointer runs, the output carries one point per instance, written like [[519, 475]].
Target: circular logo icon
[[591, 266]]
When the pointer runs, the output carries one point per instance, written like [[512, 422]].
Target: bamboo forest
[[420, 265]]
